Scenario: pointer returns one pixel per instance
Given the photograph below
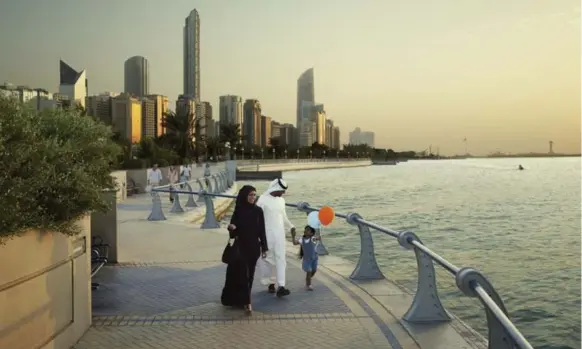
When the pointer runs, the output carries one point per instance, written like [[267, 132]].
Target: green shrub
[[55, 166]]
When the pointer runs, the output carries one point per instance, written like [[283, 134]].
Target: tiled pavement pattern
[[166, 294]]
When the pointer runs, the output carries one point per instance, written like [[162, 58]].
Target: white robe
[[272, 268]]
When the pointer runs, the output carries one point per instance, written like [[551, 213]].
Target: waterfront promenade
[[165, 293]]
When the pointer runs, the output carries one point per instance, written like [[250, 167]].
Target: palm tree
[[230, 133], [180, 127]]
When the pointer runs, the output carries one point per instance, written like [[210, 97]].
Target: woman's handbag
[[231, 253]]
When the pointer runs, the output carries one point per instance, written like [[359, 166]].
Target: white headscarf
[[276, 185]]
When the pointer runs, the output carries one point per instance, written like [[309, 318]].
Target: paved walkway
[[165, 293]]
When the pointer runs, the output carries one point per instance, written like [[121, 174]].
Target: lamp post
[[285, 154], [242, 153], [234, 153], [262, 154], [297, 154], [357, 155], [227, 150], [337, 154], [311, 155], [348, 155], [273, 153], [324, 155]]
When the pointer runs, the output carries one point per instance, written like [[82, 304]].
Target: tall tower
[[551, 147], [192, 55], [137, 76], [305, 96]]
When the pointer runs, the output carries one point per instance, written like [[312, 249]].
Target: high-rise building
[[252, 122], [329, 134], [137, 76], [266, 130], [288, 135], [357, 137], [336, 138], [192, 55], [305, 93], [320, 122], [187, 105], [148, 118], [230, 110], [100, 107], [161, 108], [210, 132], [276, 130], [73, 84], [126, 116]]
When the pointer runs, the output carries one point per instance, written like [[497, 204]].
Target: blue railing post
[[367, 267], [210, 221], [157, 213], [466, 279], [176, 207], [217, 189], [426, 306], [191, 202], [200, 190], [321, 249]]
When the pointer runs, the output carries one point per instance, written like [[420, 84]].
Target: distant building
[[126, 117], [336, 138], [305, 93], [320, 123], [266, 130], [187, 104], [358, 137], [208, 121], [136, 76], [100, 107], [148, 119], [230, 110], [288, 135], [192, 55], [252, 122], [161, 108], [329, 134], [73, 84], [275, 129]]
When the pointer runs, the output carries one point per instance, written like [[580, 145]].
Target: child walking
[[308, 253]]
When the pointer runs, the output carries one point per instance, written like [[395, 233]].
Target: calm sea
[[521, 228]]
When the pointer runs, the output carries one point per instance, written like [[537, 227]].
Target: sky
[[505, 74]]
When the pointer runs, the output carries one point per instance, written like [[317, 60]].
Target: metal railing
[[291, 160], [426, 306]]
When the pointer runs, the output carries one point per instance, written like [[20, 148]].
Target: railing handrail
[[470, 281]]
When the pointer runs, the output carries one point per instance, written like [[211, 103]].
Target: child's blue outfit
[[310, 257]]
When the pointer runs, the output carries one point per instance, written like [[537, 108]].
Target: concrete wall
[[45, 289], [298, 166]]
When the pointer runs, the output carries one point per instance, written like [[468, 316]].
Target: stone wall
[[45, 289]]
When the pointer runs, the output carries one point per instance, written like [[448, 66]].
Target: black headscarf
[[242, 201]]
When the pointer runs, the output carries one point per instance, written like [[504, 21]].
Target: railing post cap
[[406, 237], [352, 218], [303, 206], [466, 279]]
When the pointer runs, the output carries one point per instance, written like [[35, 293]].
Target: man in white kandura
[[273, 267]]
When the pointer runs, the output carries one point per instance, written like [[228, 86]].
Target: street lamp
[[285, 154], [234, 152], [310, 154], [337, 154], [297, 154], [324, 154], [273, 153], [357, 155], [348, 155], [262, 154], [242, 153]]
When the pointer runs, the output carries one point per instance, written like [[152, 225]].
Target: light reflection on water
[[521, 228]]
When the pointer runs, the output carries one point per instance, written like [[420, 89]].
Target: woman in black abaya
[[247, 228]]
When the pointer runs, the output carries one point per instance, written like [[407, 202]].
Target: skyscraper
[[192, 55], [230, 110], [137, 76], [73, 84], [305, 94], [252, 122]]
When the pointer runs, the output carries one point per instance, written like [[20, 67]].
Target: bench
[[131, 188], [99, 255]]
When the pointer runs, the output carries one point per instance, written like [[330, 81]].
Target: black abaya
[[250, 239]]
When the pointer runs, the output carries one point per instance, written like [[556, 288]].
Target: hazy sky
[[503, 73]]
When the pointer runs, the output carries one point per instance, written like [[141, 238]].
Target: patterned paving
[[177, 305]]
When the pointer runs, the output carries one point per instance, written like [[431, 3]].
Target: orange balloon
[[326, 215]]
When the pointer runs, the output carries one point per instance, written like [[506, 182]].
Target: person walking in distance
[[173, 177], [154, 176], [273, 267]]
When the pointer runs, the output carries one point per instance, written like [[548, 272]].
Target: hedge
[[55, 165]]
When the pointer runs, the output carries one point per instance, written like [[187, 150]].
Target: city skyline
[[506, 78]]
